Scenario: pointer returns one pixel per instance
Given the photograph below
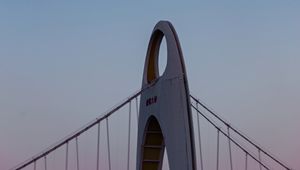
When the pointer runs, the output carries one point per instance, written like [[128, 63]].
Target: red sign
[[151, 100]]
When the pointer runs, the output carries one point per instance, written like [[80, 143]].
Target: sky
[[64, 63]]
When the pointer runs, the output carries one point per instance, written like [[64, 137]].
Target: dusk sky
[[62, 64]]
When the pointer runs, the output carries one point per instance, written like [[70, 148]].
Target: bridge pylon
[[165, 119]]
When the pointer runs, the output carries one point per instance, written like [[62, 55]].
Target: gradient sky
[[64, 63]]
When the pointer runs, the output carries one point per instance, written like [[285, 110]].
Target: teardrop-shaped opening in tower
[[157, 56], [162, 57]]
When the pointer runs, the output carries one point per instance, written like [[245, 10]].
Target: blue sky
[[64, 63]]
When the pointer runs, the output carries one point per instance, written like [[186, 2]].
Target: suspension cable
[[80, 131], [229, 148], [218, 147], [129, 127], [259, 158], [45, 162], [98, 145], [77, 153], [67, 154], [34, 165], [239, 133], [237, 144], [199, 138], [137, 108], [98, 120], [108, 147], [246, 161]]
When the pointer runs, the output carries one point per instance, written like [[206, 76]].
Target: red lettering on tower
[[151, 100]]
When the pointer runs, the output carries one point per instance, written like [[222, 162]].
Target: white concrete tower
[[165, 115]]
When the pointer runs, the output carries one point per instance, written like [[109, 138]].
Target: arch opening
[[153, 146], [162, 56], [157, 59]]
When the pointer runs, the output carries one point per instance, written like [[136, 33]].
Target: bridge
[[166, 128]]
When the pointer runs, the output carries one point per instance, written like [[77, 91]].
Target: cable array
[[75, 136], [106, 120], [227, 134]]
